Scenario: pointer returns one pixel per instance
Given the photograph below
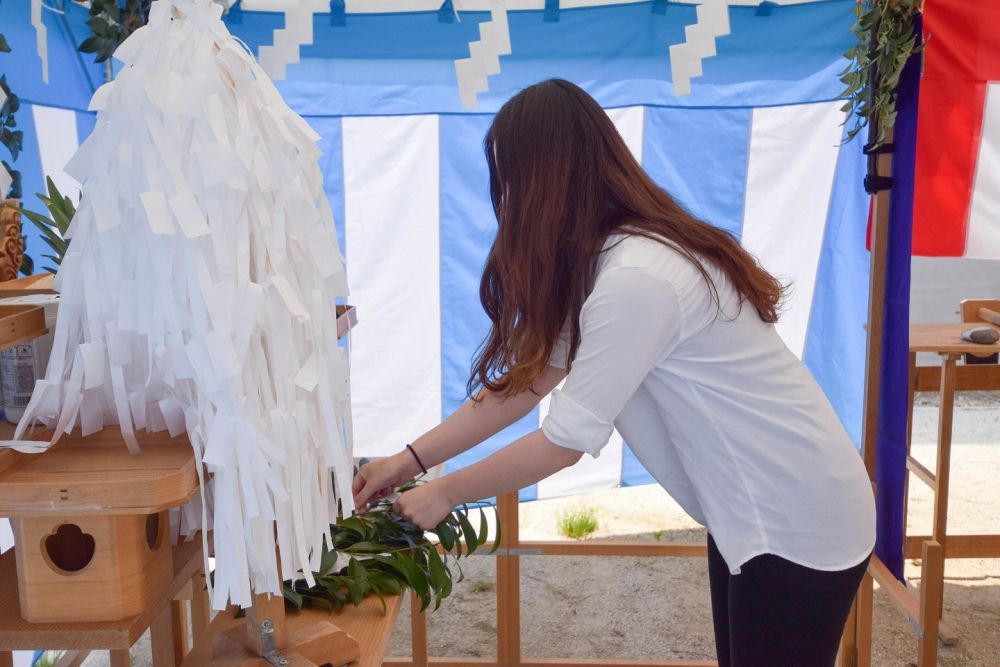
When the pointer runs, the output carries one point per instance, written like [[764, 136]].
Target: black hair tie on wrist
[[419, 462]]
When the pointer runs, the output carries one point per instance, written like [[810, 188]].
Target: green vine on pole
[[886, 40]]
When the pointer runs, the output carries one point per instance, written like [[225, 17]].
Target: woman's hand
[[379, 479], [425, 505]]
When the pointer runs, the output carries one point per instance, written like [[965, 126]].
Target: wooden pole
[[876, 314], [932, 592], [418, 633], [858, 621], [508, 584]]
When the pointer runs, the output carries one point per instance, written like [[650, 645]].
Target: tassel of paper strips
[[198, 294]]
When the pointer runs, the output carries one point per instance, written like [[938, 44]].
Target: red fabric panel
[[962, 54]]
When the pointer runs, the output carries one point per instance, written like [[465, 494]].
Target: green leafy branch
[[12, 139], [54, 228], [886, 40], [387, 553], [111, 23]]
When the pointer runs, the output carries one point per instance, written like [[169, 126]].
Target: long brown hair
[[562, 180]]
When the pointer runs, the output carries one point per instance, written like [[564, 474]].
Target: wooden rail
[[508, 590]]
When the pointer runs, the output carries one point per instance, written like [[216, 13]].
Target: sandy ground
[[658, 608]]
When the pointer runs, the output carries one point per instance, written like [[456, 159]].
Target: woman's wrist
[[408, 464]]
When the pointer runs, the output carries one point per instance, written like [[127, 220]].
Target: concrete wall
[[938, 284]]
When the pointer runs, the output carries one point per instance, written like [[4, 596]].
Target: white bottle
[[21, 365], [17, 371]]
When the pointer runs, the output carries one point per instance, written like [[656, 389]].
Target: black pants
[[779, 614]]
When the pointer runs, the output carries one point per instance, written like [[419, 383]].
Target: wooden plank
[[98, 475], [16, 633], [40, 283], [552, 662], [20, 324], [611, 548], [896, 590], [959, 546], [161, 639], [418, 633], [6, 659], [982, 377], [946, 338], [921, 471], [369, 624], [931, 595], [180, 620]]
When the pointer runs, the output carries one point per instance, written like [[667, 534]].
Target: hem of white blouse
[[852, 562]]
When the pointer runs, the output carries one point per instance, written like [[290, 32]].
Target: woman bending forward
[[662, 326]]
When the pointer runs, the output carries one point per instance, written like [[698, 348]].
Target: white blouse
[[717, 409]]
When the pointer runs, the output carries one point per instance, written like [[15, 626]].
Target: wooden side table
[[111, 574], [944, 340]]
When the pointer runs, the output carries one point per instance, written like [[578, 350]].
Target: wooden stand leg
[[847, 656], [120, 658], [162, 639], [865, 602], [200, 611], [855, 645], [180, 619], [911, 394], [418, 633], [931, 594], [943, 475], [6, 659]]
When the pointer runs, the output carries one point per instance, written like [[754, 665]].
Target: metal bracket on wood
[[271, 653]]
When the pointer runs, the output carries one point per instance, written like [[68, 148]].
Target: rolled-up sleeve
[[630, 322]]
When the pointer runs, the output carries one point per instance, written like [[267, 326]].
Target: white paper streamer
[[288, 41], [5, 181], [5, 177], [484, 55], [41, 37], [686, 59], [200, 301]]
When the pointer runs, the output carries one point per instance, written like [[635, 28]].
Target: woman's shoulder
[[654, 255]]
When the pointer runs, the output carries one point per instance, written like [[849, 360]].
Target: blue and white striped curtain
[[756, 149], [417, 223]]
